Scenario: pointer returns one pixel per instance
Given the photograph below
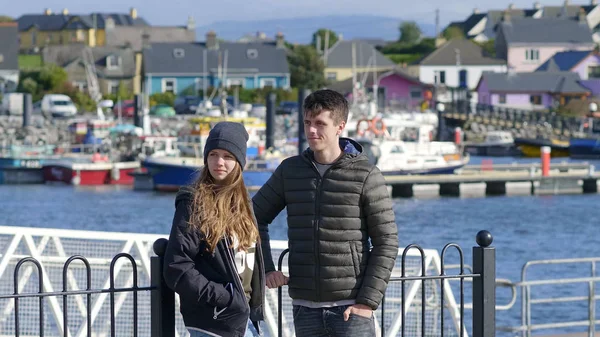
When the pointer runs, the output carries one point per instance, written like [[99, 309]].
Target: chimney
[[506, 16], [537, 5], [280, 41], [65, 11], [109, 23], [475, 10], [145, 40], [191, 23], [511, 6], [47, 11], [133, 13], [211, 40], [582, 16], [593, 2]]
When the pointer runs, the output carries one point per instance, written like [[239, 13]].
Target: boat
[[401, 147], [496, 144], [168, 174], [90, 173], [532, 147], [584, 148]]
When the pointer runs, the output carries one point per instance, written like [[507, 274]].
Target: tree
[[410, 33], [489, 47], [52, 77], [306, 68], [453, 32], [6, 18], [333, 38]]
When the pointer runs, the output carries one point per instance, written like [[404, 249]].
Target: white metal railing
[[52, 247]]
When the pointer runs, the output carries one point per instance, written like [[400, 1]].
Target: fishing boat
[[496, 144]]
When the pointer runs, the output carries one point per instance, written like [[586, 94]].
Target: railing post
[[484, 287], [162, 299]]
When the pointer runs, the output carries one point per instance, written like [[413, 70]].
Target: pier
[[564, 178]]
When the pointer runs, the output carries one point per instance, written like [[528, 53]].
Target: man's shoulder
[[292, 161]]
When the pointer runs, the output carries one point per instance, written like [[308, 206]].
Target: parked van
[[58, 106]]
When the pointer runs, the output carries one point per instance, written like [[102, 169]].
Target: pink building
[[527, 43]]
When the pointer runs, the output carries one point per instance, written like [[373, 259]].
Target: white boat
[[401, 147], [496, 143]]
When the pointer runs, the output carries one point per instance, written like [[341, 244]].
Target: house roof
[[72, 54], [549, 82], [45, 22], [133, 36], [571, 11], [564, 61], [9, 48], [340, 55], [469, 52], [470, 22], [346, 85], [549, 30], [160, 58]]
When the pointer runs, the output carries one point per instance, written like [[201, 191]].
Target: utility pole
[[437, 23]]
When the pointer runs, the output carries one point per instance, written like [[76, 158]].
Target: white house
[[458, 63]]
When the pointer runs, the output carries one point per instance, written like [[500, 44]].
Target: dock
[[564, 178]]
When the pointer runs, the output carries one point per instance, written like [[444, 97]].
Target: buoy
[[115, 173], [76, 180]]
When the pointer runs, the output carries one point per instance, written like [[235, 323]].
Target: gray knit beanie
[[229, 136]]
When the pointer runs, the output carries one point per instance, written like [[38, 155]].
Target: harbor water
[[525, 228]]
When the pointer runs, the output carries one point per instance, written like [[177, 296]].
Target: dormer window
[[113, 62], [252, 53], [178, 53]]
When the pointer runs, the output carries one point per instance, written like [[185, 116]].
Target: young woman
[[214, 260]]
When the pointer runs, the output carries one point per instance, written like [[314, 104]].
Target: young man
[[336, 201]]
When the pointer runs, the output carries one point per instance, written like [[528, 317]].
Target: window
[[80, 35], [415, 93], [594, 72], [502, 98], [532, 55], [252, 53], [81, 86], [267, 82], [332, 77], [113, 62], [440, 77], [235, 82], [113, 87], [169, 85], [462, 79], [33, 38], [535, 99], [178, 53]]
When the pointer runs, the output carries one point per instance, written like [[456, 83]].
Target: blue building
[[179, 67]]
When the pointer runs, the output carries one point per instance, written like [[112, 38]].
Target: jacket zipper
[[237, 278]]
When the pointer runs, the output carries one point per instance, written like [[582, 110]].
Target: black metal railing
[[484, 288]]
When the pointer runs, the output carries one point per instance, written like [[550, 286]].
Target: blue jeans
[[250, 332], [329, 322]]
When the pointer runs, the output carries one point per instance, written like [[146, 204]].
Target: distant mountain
[[300, 30]]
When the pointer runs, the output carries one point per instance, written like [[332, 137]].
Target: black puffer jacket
[[330, 221], [211, 295]]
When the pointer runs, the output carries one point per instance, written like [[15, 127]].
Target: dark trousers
[[329, 322]]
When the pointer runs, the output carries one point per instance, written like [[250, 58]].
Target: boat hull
[[533, 147], [91, 174], [584, 148], [169, 177], [508, 150]]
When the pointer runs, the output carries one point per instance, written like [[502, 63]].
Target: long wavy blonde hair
[[223, 209]]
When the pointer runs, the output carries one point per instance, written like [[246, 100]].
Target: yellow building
[[338, 60], [39, 30]]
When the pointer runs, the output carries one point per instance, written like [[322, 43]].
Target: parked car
[[127, 108], [187, 105], [58, 106]]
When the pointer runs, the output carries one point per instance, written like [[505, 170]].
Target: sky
[[176, 12]]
